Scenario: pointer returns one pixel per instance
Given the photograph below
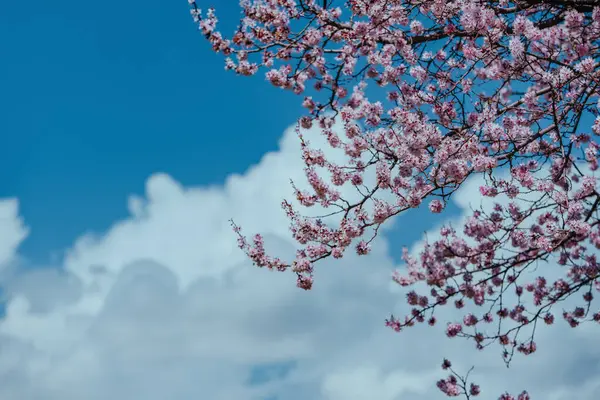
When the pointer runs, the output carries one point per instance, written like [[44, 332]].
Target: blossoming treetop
[[507, 90]]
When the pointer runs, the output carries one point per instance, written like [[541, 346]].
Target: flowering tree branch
[[504, 90]]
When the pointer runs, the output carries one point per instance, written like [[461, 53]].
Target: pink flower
[[524, 396], [474, 390], [453, 330], [436, 206], [363, 248], [416, 27], [446, 364], [470, 320]]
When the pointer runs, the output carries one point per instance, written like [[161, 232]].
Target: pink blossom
[[453, 330], [416, 27], [470, 320], [363, 248], [474, 390], [446, 364], [436, 206]]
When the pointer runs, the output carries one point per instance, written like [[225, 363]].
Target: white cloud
[[164, 305], [12, 230]]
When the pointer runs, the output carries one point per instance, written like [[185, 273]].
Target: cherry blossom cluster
[[430, 94]]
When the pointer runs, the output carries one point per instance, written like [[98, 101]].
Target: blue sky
[[98, 96]]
